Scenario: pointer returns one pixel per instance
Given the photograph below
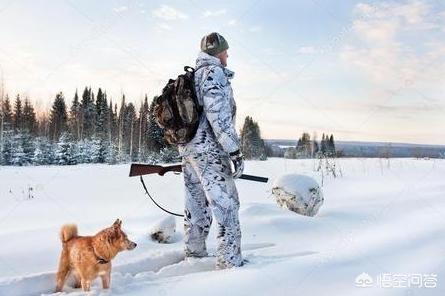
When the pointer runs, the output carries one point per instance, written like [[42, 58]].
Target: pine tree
[[29, 118], [6, 114], [88, 114], [129, 128], [17, 155], [39, 156], [102, 126], [331, 145], [63, 155], [143, 130], [323, 148], [252, 146], [75, 117], [102, 117], [28, 146], [58, 118], [18, 114], [8, 147], [155, 134], [304, 146], [6, 127], [120, 131]]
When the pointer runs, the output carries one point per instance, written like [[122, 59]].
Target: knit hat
[[213, 44]]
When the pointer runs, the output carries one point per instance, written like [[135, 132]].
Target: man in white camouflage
[[207, 158]]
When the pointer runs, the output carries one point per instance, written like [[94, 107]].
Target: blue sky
[[362, 70]]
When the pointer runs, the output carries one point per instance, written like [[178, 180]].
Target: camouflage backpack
[[177, 110]]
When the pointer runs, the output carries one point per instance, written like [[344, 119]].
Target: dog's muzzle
[[132, 245]]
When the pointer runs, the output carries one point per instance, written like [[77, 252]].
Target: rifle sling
[[165, 210]]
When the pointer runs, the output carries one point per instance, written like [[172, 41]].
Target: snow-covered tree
[[18, 114], [18, 155], [75, 117], [64, 152], [39, 156], [155, 135], [252, 146], [88, 114], [58, 118]]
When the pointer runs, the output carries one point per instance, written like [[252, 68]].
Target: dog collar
[[101, 260]]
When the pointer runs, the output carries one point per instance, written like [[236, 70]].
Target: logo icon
[[364, 280]]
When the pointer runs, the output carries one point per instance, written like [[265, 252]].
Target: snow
[[381, 217], [298, 193]]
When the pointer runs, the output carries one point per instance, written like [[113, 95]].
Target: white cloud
[[209, 13], [390, 42], [120, 9], [168, 13]]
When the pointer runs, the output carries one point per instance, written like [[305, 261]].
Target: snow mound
[[298, 193], [163, 230]]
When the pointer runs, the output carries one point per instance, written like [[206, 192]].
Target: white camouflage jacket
[[216, 131]]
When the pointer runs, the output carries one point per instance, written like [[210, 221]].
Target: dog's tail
[[67, 232]]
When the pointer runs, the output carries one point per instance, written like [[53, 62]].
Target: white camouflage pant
[[210, 187]]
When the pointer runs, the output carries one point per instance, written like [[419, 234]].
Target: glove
[[238, 163]]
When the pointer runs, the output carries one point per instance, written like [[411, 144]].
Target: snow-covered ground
[[383, 218]]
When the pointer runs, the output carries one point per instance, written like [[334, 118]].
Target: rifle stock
[[138, 169], [145, 169]]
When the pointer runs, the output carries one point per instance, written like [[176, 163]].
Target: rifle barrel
[[145, 169]]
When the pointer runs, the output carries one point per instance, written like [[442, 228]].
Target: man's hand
[[238, 163]]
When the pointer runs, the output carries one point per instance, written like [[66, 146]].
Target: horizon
[[363, 71]]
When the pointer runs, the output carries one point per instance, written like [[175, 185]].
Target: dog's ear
[[117, 223]]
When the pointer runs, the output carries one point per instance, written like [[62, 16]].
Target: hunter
[[206, 160]]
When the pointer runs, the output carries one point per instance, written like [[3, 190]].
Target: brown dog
[[90, 256]]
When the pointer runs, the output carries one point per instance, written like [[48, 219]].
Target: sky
[[361, 70]]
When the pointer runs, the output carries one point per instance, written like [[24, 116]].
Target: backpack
[[177, 110]]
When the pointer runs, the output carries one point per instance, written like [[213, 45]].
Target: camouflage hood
[[205, 60]]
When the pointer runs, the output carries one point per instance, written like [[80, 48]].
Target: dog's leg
[[86, 284], [76, 281], [106, 278], [64, 268]]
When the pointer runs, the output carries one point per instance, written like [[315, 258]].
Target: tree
[[75, 117], [7, 147], [6, 122], [88, 110], [29, 118], [58, 118], [18, 114], [323, 144], [155, 134], [143, 130], [130, 124], [252, 146], [304, 146], [331, 145], [6, 113], [102, 117], [64, 151]]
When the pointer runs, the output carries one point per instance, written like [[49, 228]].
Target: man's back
[[216, 131]]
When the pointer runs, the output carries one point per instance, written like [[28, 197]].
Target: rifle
[[138, 169]]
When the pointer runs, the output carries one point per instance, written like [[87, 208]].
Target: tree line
[[90, 130], [311, 148]]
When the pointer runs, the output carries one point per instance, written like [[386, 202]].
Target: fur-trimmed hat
[[213, 44]]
